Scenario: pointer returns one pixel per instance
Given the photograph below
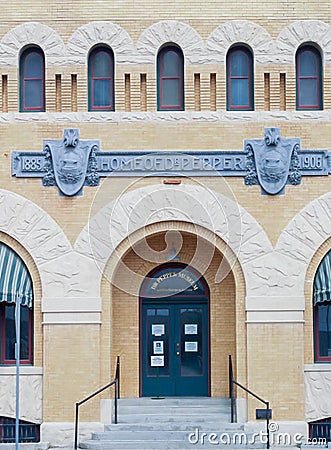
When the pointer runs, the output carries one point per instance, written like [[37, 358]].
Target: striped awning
[[15, 281], [322, 282]]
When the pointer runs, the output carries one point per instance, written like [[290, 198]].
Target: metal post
[[116, 392], [268, 431], [76, 427], [17, 357], [118, 376]]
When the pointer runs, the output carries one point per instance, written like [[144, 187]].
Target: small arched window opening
[[240, 85], [309, 78], [32, 80], [170, 77], [101, 79]]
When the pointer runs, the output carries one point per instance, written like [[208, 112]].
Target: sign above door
[[271, 162]]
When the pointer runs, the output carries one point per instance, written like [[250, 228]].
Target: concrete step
[[172, 424], [171, 401], [170, 435], [161, 445], [166, 418], [175, 426]]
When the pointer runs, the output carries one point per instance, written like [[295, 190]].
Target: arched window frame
[[24, 80], [231, 105], [15, 280], [317, 77], [161, 78], [322, 299], [92, 79]]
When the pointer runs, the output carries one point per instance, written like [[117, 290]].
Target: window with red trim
[[8, 334], [170, 77], [240, 86], [101, 79], [32, 80], [309, 78]]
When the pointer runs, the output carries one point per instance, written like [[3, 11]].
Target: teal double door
[[174, 348]]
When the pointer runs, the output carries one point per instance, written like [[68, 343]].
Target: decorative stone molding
[[170, 31], [266, 50], [40, 235], [87, 36], [318, 391], [154, 204], [244, 32], [300, 32], [162, 117], [32, 33], [303, 236], [30, 396]]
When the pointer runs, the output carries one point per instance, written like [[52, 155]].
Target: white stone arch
[[157, 203], [37, 232], [98, 33], [304, 235], [297, 33], [240, 32], [167, 31], [33, 33]]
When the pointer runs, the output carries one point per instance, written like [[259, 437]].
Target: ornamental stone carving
[[170, 31], [244, 32], [266, 50], [300, 32], [96, 33], [32, 33]]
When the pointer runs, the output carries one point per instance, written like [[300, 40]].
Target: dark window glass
[[7, 314], [170, 79], [101, 80], [32, 80], [309, 78], [323, 330], [240, 79]]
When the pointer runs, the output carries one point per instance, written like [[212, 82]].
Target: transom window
[[240, 95], [101, 79], [170, 69], [309, 78], [32, 80]]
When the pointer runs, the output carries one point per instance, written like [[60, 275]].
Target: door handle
[[177, 353]]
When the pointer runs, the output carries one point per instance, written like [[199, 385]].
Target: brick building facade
[[88, 254]]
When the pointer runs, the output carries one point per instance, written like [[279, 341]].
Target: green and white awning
[[322, 282], [15, 281]]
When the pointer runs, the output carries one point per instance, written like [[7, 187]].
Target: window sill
[[24, 370], [322, 366]]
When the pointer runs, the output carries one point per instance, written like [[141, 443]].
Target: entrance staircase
[[172, 424]]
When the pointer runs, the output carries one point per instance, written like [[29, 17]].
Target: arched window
[[322, 310], [32, 80], [101, 79], [15, 288], [309, 78], [170, 79], [240, 85]]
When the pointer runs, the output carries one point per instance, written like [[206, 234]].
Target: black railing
[[233, 382], [116, 383]]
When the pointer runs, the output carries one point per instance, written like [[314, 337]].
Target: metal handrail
[[232, 382], [116, 383]]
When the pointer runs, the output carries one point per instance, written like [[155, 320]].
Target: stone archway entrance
[[174, 332]]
